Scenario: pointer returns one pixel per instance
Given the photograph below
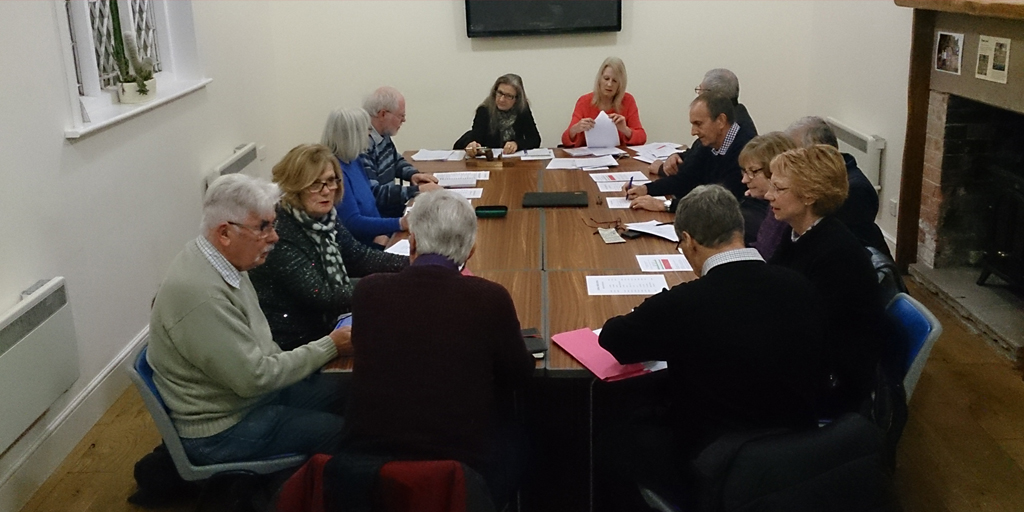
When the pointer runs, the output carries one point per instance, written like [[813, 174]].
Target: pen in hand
[[628, 187]]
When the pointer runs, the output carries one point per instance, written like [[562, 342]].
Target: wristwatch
[[668, 205]]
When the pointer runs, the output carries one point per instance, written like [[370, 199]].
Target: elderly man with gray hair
[[859, 210], [743, 345], [433, 386], [382, 161], [722, 82], [233, 394]]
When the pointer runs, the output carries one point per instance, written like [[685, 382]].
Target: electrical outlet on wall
[[893, 206]]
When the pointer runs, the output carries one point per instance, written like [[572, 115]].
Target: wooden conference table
[[543, 255]]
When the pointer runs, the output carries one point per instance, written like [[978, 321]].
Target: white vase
[[129, 92]]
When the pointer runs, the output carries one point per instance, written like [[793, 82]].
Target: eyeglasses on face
[[499, 95], [750, 173], [262, 231], [318, 186], [401, 116], [697, 90], [775, 189]]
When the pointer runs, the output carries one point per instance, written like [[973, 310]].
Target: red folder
[[582, 344]]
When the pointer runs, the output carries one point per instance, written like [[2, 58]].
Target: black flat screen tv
[[491, 18]]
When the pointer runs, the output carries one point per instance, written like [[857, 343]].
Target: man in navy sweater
[[712, 118], [743, 345]]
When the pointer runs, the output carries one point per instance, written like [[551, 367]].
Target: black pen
[[663, 224]]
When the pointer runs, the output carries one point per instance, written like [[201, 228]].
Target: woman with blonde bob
[[304, 285], [610, 96], [807, 186], [503, 120], [755, 160]]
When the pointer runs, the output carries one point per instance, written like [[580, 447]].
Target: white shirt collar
[[375, 136], [745, 254]]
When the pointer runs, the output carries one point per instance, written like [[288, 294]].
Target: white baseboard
[[890, 240], [53, 444]]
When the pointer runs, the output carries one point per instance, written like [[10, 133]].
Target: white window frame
[[96, 108]]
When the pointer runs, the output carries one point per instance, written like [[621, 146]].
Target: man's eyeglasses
[[318, 186], [399, 116], [262, 231], [499, 95], [698, 90], [750, 173]]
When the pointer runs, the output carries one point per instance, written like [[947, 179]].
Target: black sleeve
[[361, 260], [481, 128], [527, 136], [644, 334], [689, 175]]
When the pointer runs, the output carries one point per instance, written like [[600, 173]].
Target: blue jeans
[[304, 418]]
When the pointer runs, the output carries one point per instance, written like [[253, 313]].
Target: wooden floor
[[962, 450]]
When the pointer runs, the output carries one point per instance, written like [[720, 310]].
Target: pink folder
[[582, 344]]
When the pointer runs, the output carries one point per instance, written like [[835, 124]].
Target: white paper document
[[400, 248], [535, 154], [643, 284], [425, 155], [604, 134], [619, 203], [616, 186], [645, 158], [581, 163], [469, 193], [457, 155], [663, 263], [458, 175], [618, 176], [589, 151], [662, 229]]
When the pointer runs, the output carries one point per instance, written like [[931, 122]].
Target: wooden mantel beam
[[1009, 9]]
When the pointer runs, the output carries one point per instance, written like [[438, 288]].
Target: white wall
[[111, 210], [860, 63]]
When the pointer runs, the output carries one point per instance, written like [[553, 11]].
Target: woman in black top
[[304, 285], [503, 120], [807, 186]]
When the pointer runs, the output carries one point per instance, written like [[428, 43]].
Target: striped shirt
[[745, 254], [383, 164], [729, 137]]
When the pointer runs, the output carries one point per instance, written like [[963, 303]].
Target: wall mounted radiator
[[867, 149], [243, 155], [38, 357]]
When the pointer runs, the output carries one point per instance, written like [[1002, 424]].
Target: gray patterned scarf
[[505, 121], [323, 232]]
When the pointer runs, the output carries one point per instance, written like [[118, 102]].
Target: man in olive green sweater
[[233, 394]]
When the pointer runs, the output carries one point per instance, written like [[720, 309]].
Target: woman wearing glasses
[[807, 186], [611, 97], [346, 134], [503, 120], [754, 160], [304, 285]]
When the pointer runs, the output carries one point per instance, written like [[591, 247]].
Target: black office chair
[[839, 467], [890, 282]]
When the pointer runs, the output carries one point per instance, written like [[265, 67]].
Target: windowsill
[[104, 111]]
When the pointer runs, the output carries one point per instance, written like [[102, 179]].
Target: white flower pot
[[129, 92]]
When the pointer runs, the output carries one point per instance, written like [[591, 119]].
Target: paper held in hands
[[604, 134], [583, 345]]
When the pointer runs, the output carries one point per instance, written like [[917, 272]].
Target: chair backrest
[[890, 282], [920, 330], [141, 374], [838, 467]]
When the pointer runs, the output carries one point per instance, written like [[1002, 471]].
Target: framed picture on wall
[[949, 52], [993, 58]]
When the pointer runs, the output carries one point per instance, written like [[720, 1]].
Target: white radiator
[[243, 155], [38, 357], [867, 149]]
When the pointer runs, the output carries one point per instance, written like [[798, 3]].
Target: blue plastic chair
[[921, 328], [142, 376]]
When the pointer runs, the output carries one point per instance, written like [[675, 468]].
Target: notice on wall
[[993, 58], [949, 48]]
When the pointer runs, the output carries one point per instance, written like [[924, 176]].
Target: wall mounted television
[[492, 18]]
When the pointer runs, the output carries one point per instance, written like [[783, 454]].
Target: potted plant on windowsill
[[135, 74]]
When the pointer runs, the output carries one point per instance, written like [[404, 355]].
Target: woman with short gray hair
[[346, 135]]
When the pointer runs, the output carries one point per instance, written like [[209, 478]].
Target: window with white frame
[[92, 67]]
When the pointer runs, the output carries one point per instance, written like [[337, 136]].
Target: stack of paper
[[655, 151], [621, 177], [663, 229], [461, 179], [620, 203], [603, 162], [589, 151], [604, 134], [425, 155], [533, 154]]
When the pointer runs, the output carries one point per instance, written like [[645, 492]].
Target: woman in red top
[[610, 96]]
